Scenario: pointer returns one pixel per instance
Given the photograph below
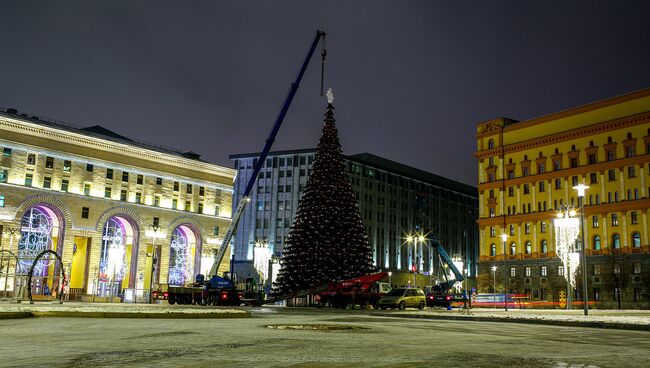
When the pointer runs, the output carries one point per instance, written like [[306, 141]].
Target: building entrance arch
[[118, 257], [184, 255]]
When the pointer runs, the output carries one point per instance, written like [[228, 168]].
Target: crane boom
[[246, 196], [445, 286]]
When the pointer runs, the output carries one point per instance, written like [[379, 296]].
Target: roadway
[[368, 341]]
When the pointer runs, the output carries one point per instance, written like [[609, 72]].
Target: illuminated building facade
[[395, 200], [527, 171], [106, 205]]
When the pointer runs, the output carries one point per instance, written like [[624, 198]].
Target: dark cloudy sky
[[411, 78]]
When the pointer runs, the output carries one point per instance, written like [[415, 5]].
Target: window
[[542, 186], [67, 166], [542, 227], [28, 179], [125, 176], [528, 247], [200, 207], [636, 240], [634, 218], [526, 189], [596, 269], [492, 212], [511, 174], [176, 185], [215, 230], [543, 271], [574, 181], [617, 269], [201, 191], [303, 160], [281, 161], [217, 210], [156, 200], [6, 152], [630, 151], [64, 185], [31, 159], [513, 249], [491, 144], [217, 192], [574, 162], [188, 206], [287, 188], [47, 182], [49, 162], [2, 200], [493, 231], [611, 175], [107, 192], [524, 171], [636, 267], [527, 228], [140, 180], [493, 250], [189, 188], [123, 195], [85, 211], [593, 178], [614, 219], [631, 172], [174, 204], [540, 169], [138, 197], [616, 241], [513, 272], [109, 173], [558, 183], [90, 167], [557, 165], [512, 230], [543, 246], [611, 155], [597, 242], [597, 198], [592, 159], [86, 188], [594, 222], [4, 175], [158, 181], [560, 270], [511, 191], [527, 271]]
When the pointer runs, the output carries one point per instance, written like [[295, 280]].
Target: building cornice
[[16, 125]]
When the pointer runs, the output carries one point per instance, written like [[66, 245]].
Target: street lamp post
[[154, 234], [504, 237], [416, 259], [581, 199], [494, 287], [390, 280]]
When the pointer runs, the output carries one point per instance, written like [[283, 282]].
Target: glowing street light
[[581, 188], [415, 238], [494, 287]]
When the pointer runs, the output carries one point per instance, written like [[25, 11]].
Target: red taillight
[[165, 294], [448, 297], [155, 294], [431, 297], [224, 295]]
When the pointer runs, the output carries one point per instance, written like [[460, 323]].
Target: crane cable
[[323, 53]]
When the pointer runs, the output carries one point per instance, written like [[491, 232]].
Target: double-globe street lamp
[[581, 201], [414, 238], [154, 233]]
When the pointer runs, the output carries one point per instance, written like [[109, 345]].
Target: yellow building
[[108, 206], [527, 171]]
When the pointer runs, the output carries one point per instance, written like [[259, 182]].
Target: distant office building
[[105, 204], [395, 201]]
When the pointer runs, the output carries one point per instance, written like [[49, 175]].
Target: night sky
[[411, 78]]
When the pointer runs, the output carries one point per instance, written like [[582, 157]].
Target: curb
[[591, 324], [76, 314]]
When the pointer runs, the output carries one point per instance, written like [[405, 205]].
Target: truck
[[439, 296], [363, 291], [214, 291]]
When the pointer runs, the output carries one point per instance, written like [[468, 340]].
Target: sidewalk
[[617, 319], [114, 310]]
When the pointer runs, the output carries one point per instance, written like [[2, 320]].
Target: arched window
[[491, 144], [493, 250], [39, 230], [616, 241], [118, 257], [636, 240], [529, 247], [596, 242], [182, 255], [513, 248], [543, 246]]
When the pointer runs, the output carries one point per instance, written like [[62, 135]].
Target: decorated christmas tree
[[327, 241]]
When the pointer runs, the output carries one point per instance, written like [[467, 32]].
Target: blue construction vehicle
[[439, 296]]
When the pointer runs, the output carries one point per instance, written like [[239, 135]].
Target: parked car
[[402, 298]]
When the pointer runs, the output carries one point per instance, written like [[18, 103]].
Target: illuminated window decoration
[[567, 229], [262, 256], [39, 226], [181, 267], [117, 236]]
